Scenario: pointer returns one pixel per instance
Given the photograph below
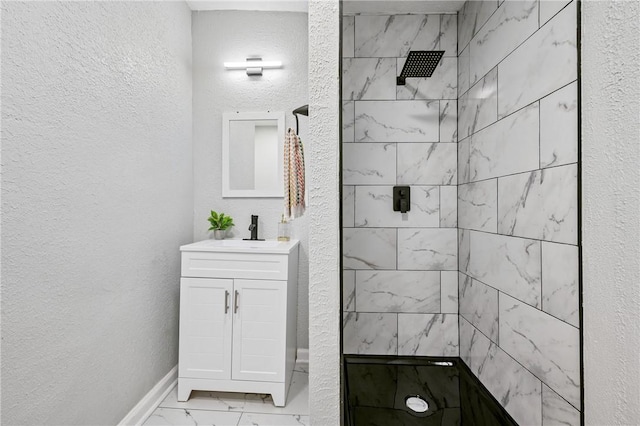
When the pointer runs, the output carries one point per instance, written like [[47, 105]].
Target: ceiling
[[261, 5], [390, 7], [350, 7]]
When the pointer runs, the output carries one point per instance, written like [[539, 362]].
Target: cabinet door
[[205, 328], [259, 330]]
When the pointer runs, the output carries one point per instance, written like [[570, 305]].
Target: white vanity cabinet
[[238, 308]]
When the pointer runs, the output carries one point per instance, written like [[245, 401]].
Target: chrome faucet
[[254, 229]]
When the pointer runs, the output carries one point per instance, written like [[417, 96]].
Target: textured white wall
[[324, 236], [220, 36], [96, 199], [611, 205]]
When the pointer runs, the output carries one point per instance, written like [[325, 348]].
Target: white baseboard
[[151, 400], [158, 393], [302, 356]]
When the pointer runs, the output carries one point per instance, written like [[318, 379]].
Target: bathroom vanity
[[238, 308]]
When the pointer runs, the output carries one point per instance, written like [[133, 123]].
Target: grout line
[[417, 228], [355, 292], [394, 57], [519, 173], [541, 402], [403, 270], [399, 312], [518, 362], [521, 301], [441, 310], [458, 306], [497, 205], [418, 185], [403, 100], [457, 29], [539, 134], [395, 87], [541, 280], [497, 316], [397, 334], [440, 32], [354, 36], [539, 4], [397, 248], [520, 237], [355, 119], [400, 142], [355, 188], [439, 208], [439, 121], [497, 96], [396, 165]]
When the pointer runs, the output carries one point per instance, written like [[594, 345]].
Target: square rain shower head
[[420, 63]]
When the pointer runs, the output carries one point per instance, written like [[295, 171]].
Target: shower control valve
[[401, 199]]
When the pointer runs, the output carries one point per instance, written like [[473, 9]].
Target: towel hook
[[303, 110]]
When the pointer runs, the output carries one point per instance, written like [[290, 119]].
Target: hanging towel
[[293, 175]]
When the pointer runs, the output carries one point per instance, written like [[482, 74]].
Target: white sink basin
[[248, 243]]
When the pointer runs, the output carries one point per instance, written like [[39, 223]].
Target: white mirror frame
[[227, 192]]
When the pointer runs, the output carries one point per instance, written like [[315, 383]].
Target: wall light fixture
[[253, 66]]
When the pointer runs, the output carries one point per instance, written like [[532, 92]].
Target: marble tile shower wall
[[400, 270], [518, 205]]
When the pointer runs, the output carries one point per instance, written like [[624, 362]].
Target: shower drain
[[416, 403]]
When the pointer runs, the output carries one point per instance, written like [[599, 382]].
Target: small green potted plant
[[219, 224]]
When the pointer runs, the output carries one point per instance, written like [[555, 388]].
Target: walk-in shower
[[473, 112]]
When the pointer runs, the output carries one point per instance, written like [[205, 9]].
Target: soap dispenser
[[284, 232]]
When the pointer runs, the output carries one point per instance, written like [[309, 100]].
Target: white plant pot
[[219, 234]]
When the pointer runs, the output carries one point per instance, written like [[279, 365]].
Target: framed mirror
[[252, 154]]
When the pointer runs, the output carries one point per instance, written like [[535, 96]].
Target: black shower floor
[[376, 389]]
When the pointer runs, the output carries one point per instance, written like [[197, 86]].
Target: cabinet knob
[[226, 301], [235, 303]]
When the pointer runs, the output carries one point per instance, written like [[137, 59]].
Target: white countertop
[[242, 246]]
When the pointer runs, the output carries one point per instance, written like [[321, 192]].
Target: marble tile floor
[[236, 409]]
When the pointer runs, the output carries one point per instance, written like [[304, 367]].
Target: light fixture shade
[[252, 64]]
